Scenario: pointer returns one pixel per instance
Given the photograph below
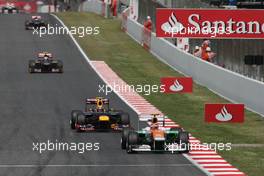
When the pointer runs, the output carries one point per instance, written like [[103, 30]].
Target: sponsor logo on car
[[224, 113], [204, 23], [177, 84]]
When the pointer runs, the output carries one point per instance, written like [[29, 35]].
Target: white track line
[[92, 165]]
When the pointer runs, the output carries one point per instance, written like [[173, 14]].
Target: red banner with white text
[[209, 23]]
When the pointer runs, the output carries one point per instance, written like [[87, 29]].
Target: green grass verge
[[137, 66], [248, 160]]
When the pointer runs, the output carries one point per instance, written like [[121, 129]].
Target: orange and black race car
[[98, 116], [155, 138]]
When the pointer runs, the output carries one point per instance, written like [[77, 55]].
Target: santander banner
[[208, 23], [224, 113], [177, 84]]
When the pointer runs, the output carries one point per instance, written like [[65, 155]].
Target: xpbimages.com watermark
[[146, 89], [80, 147], [212, 31], [173, 147], [80, 31]]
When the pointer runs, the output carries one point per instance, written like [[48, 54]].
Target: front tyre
[[131, 141]]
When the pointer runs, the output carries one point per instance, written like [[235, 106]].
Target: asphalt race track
[[36, 108]]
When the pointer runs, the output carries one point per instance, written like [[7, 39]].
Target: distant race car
[[36, 22], [155, 138], [45, 64], [98, 117], [10, 8]]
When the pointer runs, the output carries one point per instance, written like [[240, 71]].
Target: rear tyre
[[74, 115], [124, 137], [26, 25], [30, 70], [61, 70], [31, 66], [81, 119], [60, 66], [184, 141], [131, 140]]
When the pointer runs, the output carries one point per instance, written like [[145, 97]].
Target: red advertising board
[[177, 84], [210, 23], [224, 113]]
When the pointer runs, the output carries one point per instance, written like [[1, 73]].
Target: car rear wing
[[41, 55], [98, 102], [95, 100], [36, 17], [148, 117]]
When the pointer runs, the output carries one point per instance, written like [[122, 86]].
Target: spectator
[[197, 51], [148, 23], [206, 43], [114, 7], [208, 55]]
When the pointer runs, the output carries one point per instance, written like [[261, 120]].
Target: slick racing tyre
[[81, 119], [184, 140], [30, 70], [60, 66], [131, 140], [31, 66], [74, 115]]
